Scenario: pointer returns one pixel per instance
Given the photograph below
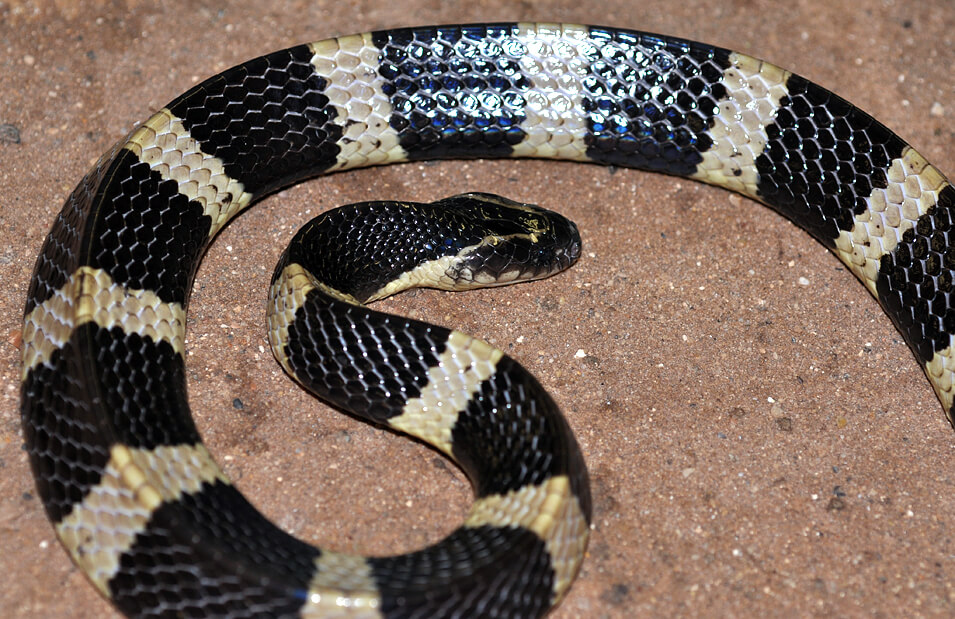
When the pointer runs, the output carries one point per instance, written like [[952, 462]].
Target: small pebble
[[9, 134]]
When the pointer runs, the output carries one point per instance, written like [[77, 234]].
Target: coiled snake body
[[139, 503]]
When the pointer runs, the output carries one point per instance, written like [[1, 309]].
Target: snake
[[139, 503]]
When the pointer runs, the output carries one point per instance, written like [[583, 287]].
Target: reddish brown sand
[[760, 441]]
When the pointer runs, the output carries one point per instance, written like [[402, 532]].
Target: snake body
[[139, 503]]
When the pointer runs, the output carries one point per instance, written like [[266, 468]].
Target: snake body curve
[[136, 499]]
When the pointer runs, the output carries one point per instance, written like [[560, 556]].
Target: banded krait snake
[[140, 504]]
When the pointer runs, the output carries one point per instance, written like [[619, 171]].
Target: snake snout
[[558, 249], [571, 247]]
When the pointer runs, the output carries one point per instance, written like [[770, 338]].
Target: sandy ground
[[760, 440]]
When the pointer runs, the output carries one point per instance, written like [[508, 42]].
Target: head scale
[[521, 242]]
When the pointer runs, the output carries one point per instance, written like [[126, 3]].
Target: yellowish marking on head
[[446, 272], [431, 274]]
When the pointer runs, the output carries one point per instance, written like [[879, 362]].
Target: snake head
[[371, 250], [521, 242]]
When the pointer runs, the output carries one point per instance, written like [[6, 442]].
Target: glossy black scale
[[823, 159], [140, 385], [650, 100], [469, 573], [268, 120], [60, 253], [375, 242], [167, 570], [66, 436], [455, 90], [358, 360], [915, 282], [370, 363], [149, 236], [512, 434]]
